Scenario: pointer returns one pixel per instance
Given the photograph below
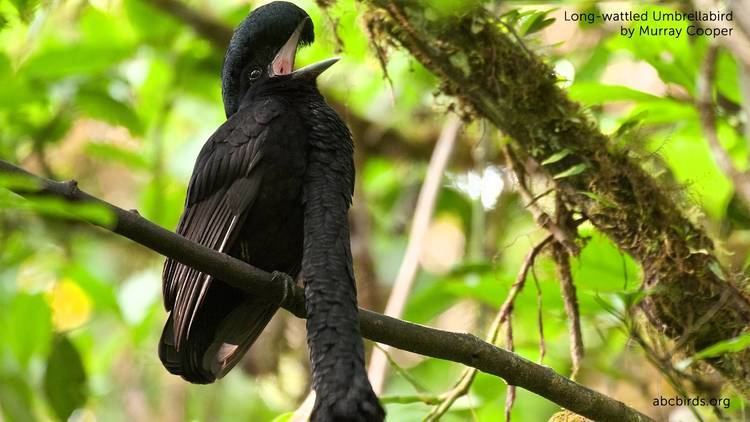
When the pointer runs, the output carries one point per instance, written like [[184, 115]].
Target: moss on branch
[[482, 63]]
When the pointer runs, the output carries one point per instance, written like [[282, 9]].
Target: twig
[[456, 347], [539, 318], [510, 392], [410, 379], [410, 263], [662, 364], [738, 44], [705, 105], [467, 377], [540, 216], [562, 259], [410, 399]]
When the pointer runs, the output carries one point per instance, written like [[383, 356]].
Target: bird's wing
[[224, 185]]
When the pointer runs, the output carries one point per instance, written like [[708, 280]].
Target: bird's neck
[[299, 91]]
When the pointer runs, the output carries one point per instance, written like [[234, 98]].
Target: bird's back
[[244, 199]]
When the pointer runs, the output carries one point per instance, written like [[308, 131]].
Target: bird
[[272, 186]]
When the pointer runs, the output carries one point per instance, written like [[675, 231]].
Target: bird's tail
[[342, 390], [227, 324]]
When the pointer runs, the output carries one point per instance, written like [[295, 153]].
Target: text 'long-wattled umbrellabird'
[[272, 186]]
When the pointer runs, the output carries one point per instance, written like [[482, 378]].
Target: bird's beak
[[283, 63], [314, 70]]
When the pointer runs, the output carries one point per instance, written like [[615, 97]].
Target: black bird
[[272, 186]]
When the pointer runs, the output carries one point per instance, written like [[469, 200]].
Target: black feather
[[272, 186]]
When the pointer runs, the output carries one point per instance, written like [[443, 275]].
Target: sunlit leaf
[[56, 207], [556, 156], [597, 93], [77, 59], [18, 181], [284, 417], [28, 326], [576, 169], [733, 345], [15, 399], [536, 22], [102, 106], [25, 8], [106, 151]]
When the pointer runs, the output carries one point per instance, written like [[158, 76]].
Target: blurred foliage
[[121, 96]]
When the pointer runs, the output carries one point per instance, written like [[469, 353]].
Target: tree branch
[[457, 347], [461, 387], [481, 64]]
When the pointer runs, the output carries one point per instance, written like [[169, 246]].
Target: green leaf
[[716, 270], [110, 152], [15, 399], [536, 22], [102, 292], [56, 207], [152, 24], [65, 378], [597, 93], [101, 106], [733, 345], [576, 169], [18, 181], [28, 326], [556, 157], [284, 417], [25, 8], [598, 198], [74, 59]]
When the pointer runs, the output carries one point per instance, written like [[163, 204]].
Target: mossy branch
[[483, 65]]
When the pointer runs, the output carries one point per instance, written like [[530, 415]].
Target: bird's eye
[[255, 74]]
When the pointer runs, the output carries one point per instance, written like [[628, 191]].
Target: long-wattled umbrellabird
[[272, 186]]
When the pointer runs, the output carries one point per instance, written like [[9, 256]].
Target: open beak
[[283, 63]]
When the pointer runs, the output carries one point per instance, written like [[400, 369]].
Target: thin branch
[[510, 392], [539, 317], [410, 399], [401, 371], [543, 219], [421, 222], [570, 299], [737, 43], [457, 347], [705, 104], [503, 314]]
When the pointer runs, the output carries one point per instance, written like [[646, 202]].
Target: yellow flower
[[71, 306]]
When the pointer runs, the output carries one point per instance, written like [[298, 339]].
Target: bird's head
[[264, 46]]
